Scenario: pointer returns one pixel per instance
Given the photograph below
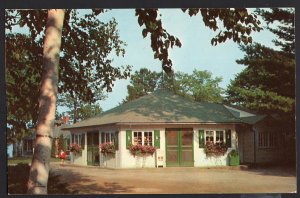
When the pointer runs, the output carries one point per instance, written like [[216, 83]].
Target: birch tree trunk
[[39, 171]]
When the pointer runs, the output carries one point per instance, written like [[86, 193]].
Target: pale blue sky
[[196, 51]]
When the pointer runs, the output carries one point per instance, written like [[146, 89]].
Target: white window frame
[[215, 135], [76, 138], [111, 137], [143, 137]]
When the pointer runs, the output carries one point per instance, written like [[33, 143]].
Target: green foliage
[[267, 84], [142, 82], [88, 111], [85, 67], [23, 74], [285, 31], [80, 110], [198, 86]]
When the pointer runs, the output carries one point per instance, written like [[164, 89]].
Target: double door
[[179, 147], [93, 148]]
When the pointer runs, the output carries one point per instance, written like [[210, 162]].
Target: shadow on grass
[[61, 181]]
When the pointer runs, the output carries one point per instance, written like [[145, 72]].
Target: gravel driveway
[[96, 180]]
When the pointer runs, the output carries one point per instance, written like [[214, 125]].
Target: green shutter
[[157, 139], [116, 143], [128, 138], [201, 139], [228, 137]]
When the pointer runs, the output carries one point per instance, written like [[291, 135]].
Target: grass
[[26, 160], [17, 177]]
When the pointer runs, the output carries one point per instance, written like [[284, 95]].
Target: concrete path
[[96, 180]]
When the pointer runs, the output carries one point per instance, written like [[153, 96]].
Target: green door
[[93, 148], [179, 147]]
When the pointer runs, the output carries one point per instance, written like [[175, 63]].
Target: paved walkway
[[96, 180]]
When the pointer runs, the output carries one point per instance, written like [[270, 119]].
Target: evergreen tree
[[267, 84]]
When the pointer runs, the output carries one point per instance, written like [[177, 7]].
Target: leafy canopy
[[198, 86], [86, 67]]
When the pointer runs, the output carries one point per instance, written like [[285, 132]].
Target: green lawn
[[26, 160]]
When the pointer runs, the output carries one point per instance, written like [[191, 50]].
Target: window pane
[[219, 137], [209, 136], [137, 138], [112, 138], [148, 138]]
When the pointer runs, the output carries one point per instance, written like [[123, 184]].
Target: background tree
[[236, 21], [142, 82], [23, 73], [199, 86], [267, 84], [88, 111], [79, 109]]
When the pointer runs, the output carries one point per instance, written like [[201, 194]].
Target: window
[[209, 136], [216, 137], [142, 138], [267, 140], [107, 137], [76, 139], [219, 137]]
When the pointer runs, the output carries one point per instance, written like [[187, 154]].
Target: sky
[[196, 51]]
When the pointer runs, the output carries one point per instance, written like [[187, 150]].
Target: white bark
[[39, 171]]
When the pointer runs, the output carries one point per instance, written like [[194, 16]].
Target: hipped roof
[[161, 106]]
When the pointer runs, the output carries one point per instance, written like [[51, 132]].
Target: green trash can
[[234, 158]]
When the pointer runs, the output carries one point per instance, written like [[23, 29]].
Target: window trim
[[111, 133], [215, 135], [76, 138], [143, 137]]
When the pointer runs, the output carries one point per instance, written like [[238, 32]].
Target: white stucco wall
[[127, 160], [124, 159], [81, 158], [200, 158]]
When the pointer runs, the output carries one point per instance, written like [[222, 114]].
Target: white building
[[178, 128]]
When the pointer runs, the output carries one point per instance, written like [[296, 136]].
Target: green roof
[[162, 107], [253, 119]]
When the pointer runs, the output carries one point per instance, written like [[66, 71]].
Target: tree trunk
[[75, 110], [39, 171]]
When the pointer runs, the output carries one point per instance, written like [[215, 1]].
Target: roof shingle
[[162, 106]]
